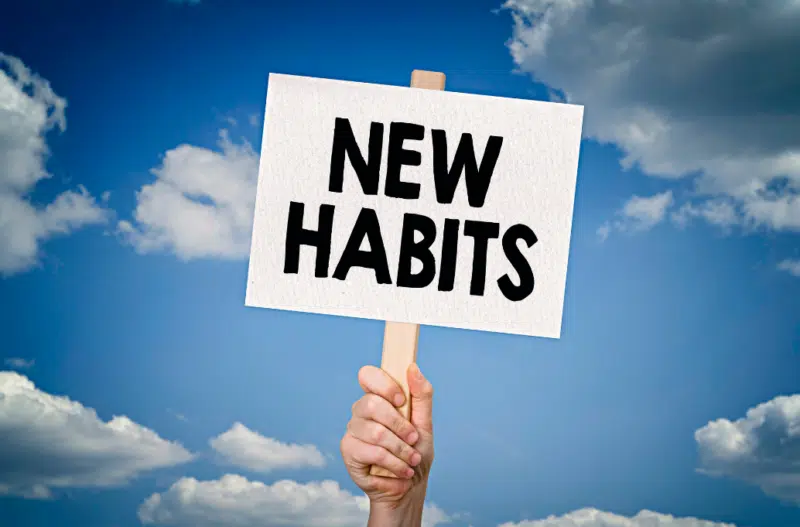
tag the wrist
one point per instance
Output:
(406, 512)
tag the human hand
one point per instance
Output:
(378, 434)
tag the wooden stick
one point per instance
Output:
(400, 339)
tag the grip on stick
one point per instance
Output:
(399, 352)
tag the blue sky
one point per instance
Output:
(673, 389)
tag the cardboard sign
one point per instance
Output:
(417, 206)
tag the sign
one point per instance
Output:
(410, 205)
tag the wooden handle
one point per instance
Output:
(428, 80)
(400, 339)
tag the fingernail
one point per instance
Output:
(412, 437)
(399, 399)
(416, 457)
(410, 473)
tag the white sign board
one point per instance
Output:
(413, 205)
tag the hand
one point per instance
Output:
(378, 434)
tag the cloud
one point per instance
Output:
(707, 91)
(638, 214)
(49, 442)
(234, 500)
(200, 205)
(604, 231)
(29, 109)
(762, 448)
(596, 518)
(19, 363)
(247, 449)
(719, 212)
(790, 266)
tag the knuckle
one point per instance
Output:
(378, 434)
(369, 404)
(374, 404)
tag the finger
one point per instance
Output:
(390, 486)
(421, 392)
(375, 380)
(375, 433)
(347, 445)
(367, 455)
(375, 408)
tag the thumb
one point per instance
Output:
(421, 392)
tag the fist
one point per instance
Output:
(378, 434)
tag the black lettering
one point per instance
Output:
(515, 293)
(482, 232)
(366, 226)
(421, 250)
(399, 156)
(477, 179)
(296, 236)
(344, 144)
(447, 269)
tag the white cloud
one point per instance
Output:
(234, 500)
(596, 518)
(646, 212)
(673, 85)
(247, 449)
(49, 442)
(200, 205)
(719, 212)
(762, 448)
(781, 212)
(29, 109)
(638, 214)
(18, 363)
(790, 266)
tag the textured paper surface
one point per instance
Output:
(533, 183)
